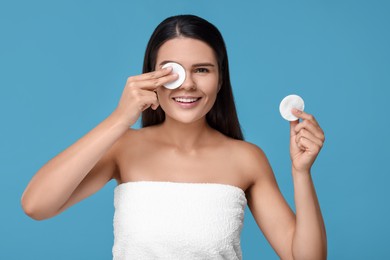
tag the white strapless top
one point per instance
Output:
(175, 220)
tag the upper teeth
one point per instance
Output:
(186, 100)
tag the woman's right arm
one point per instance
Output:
(88, 164)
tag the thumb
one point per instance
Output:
(293, 124)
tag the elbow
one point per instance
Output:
(318, 254)
(310, 251)
(33, 210)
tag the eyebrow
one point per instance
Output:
(203, 64)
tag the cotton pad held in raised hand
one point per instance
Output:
(288, 103)
(178, 69)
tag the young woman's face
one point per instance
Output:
(196, 96)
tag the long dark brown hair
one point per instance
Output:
(223, 115)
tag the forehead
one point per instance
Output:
(185, 51)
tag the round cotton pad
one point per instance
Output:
(178, 69)
(288, 103)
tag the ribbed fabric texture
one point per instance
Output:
(173, 220)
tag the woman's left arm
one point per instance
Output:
(306, 141)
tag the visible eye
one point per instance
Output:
(201, 70)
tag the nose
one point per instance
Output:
(189, 83)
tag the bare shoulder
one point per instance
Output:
(132, 136)
(248, 148)
(252, 160)
(122, 146)
(132, 144)
(248, 152)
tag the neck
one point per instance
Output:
(185, 136)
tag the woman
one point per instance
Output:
(185, 178)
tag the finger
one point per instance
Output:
(152, 75)
(155, 106)
(311, 127)
(303, 115)
(150, 94)
(307, 145)
(308, 135)
(149, 101)
(293, 125)
(150, 82)
(301, 146)
(156, 103)
(145, 98)
(153, 84)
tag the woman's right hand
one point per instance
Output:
(139, 94)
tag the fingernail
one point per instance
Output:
(296, 111)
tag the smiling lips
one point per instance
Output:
(186, 101)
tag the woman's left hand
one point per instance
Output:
(306, 141)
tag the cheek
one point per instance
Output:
(212, 89)
(163, 97)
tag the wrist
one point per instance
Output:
(301, 173)
(117, 120)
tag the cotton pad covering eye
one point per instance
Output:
(288, 103)
(178, 69)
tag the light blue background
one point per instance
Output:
(63, 65)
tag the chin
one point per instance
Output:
(185, 118)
